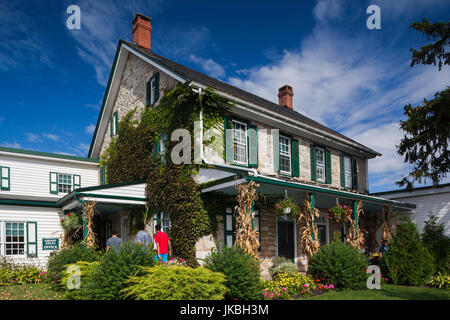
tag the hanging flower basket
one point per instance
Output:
(287, 207)
(71, 221)
(340, 214)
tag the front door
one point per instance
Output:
(286, 241)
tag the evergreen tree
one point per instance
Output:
(427, 129)
(438, 243)
(407, 260)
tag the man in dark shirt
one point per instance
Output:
(114, 242)
(383, 248)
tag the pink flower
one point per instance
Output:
(284, 288)
(271, 296)
(306, 285)
(265, 294)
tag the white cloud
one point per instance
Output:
(31, 137)
(327, 9)
(14, 145)
(65, 153)
(209, 66)
(51, 136)
(90, 129)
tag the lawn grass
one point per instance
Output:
(387, 292)
(35, 291)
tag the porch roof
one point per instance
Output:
(128, 193)
(325, 196)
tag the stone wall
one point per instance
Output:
(132, 90)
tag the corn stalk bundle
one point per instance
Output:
(246, 236)
(308, 227)
(386, 216)
(355, 236)
(67, 239)
(89, 211)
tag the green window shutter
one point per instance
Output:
(53, 181)
(328, 166)
(342, 171)
(354, 174)
(76, 181)
(147, 93)
(228, 227)
(5, 179)
(295, 158)
(313, 163)
(111, 132)
(229, 141)
(102, 175)
(116, 122)
(252, 146)
(156, 88)
(32, 247)
(276, 150)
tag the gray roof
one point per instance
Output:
(193, 75)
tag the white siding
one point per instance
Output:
(430, 201)
(29, 177)
(48, 226)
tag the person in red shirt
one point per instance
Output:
(163, 247)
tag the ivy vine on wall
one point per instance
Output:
(170, 188)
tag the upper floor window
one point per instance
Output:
(64, 183)
(114, 124)
(320, 164)
(4, 178)
(285, 155)
(152, 92)
(347, 172)
(240, 142)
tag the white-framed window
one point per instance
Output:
(240, 142)
(347, 172)
(163, 219)
(12, 238)
(64, 183)
(320, 164)
(285, 155)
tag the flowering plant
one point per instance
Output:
(71, 221)
(180, 262)
(340, 213)
(287, 206)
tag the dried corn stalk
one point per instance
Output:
(89, 211)
(246, 236)
(386, 216)
(355, 236)
(308, 228)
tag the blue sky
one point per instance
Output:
(353, 79)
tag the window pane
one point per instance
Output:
(229, 222)
(320, 159)
(229, 241)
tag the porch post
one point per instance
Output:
(355, 214)
(313, 205)
(85, 224)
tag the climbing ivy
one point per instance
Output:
(170, 188)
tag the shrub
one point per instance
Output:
(58, 261)
(114, 269)
(407, 261)
(281, 264)
(241, 269)
(86, 269)
(12, 274)
(438, 243)
(176, 283)
(442, 281)
(339, 264)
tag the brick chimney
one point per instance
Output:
(285, 94)
(142, 30)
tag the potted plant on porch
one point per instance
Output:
(287, 206)
(340, 213)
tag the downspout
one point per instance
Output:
(85, 218)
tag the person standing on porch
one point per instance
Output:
(142, 237)
(163, 246)
(114, 242)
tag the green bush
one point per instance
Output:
(58, 261)
(114, 269)
(281, 264)
(341, 265)
(20, 274)
(408, 261)
(176, 283)
(241, 269)
(441, 280)
(438, 243)
(86, 269)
